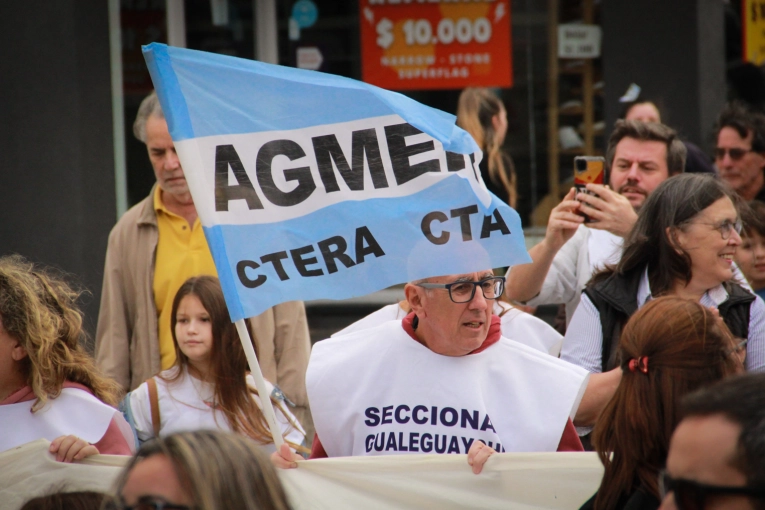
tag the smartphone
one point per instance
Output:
(588, 169)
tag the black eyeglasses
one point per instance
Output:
(144, 503)
(735, 153)
(726, 228)
(463, 292)
(690, 495)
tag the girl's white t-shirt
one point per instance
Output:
(188, 404)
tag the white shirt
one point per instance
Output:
(583, 343)
(187, 404)
(515, 324)
(588, 251)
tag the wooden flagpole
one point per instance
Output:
(260, 383)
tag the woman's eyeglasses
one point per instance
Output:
(690, 495)
(726, 228)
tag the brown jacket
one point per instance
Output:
(127, 344)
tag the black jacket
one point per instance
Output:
(615, 298)
(638, 500)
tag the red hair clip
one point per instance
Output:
(641, 363)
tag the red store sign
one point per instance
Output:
(436, 44)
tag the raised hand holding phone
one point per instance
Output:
(588, 170)
(564, 220)
(607, 209)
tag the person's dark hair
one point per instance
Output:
(228, 363)
(219, 470)
(741, 400)
(753, 218)
(683, 346)
(628, 106)
(738, 117)
(672, 205)
(80, 500)
(649, 131)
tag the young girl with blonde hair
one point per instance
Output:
(209, 386)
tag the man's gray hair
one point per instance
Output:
(149, 106)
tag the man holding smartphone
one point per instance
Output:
(640, 156)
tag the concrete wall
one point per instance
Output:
(675, 50)
(56, 163)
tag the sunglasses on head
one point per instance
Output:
(690, 495)
(735, 153)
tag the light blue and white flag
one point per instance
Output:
(311, 185)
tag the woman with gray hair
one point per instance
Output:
(683, 244)
(201, 470)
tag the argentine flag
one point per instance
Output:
(310, 185)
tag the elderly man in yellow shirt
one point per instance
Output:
(182, 252)
(156, 246)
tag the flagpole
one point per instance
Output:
(260, 383)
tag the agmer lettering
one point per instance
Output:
(331, 162)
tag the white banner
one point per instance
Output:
(509, 480)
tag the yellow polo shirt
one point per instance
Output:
(182, 252)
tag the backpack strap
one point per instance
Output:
(154, 405)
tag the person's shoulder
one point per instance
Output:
(169, 378)
(515, 317)
(641, 500)
(133, 216)
(528, 329)
(367, 334)
(340, 349)
(76, 386)
(532, 357)
(374, 319)
(82, 392)
(523, 349)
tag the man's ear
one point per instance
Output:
(414, 295)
